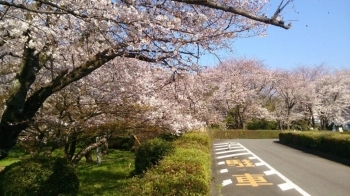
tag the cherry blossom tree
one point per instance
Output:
(309, 75)
(289, 87)
(310, 94)
(332, 99)
(132, 96)
(64, 41)
(239, 87)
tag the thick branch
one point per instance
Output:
(209, 3)
(76, 158)
(35, 101)
(21, 6)
(15, 119)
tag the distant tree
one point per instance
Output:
(289, 87)
(309, 75)
(332, 97)
(240, 87)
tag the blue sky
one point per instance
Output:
(320, 33)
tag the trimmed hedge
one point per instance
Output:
(150, 153)
(244, 134)
(39, 176)
(262, 125)
(186, 172)
(327, 142)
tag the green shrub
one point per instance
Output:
(332, 143)
(168, 136)
(261, 125)
(39, 176)
(150, 153)
(300, 125)
(243, 134)
(194, 140)
(186, 172)
(121, 143)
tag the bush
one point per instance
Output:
(300, 125)
(331, 143)
(39, 176)
(194, 140)
(168, 136)
(185, 172)
(121, 143)
(261, 125)
(243, 134)
(150, 153)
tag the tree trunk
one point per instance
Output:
(105, 148)
(88, 157)
(79, 156)
(70, 147)
(289, 109)
(20, 110)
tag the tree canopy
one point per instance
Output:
(45, 46)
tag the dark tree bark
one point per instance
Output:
(76, 158)
(227, 8)
(71, 146)
(88, 157)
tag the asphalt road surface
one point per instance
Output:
(259, 167)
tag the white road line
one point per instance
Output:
(226, 182)
(229, 151)
(259, 164)
(232, 155)
(285, 186)
(232, 143)
(270, 172)
(223, 170)
(290, 183)
(225, 144)
(251, 158)
(226, 148)
(221, 163)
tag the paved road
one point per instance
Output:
(265, 167)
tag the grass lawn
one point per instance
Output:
(14, 156)
(110, 178)
(6, 162)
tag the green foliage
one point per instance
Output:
(215, 126)
(39, 176)
(261, 125)
(327, 142)
(121, 143)
(168, 137)
(186, 172)
(194, 140)
(300, 125)
(231, 123)
(150, 153)
(243, 134)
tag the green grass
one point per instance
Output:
(14, 156)
(110, 178)
(113, 177)
(6, 162)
